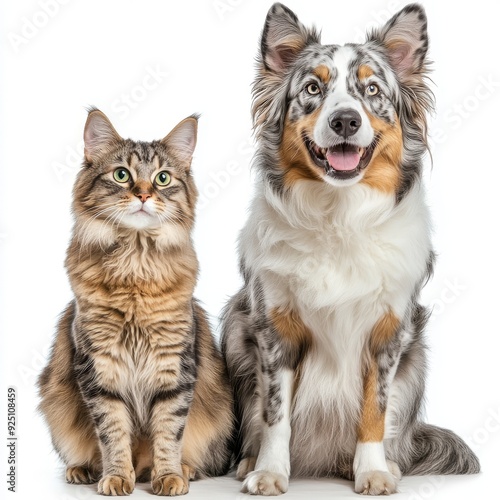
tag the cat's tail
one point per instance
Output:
(440, 451)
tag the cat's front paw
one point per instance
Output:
(170, 485)
(375, 483)
(262, 482)
(115, 486)
(245, 466)
(81, 475)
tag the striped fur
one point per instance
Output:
(324, 343)
(135, 387)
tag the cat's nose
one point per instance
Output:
(143, 197)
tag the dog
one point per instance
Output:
(324, 343)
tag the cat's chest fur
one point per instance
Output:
(139, 283)
(137, 300)
(145, 365)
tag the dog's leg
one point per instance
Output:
(272, 468)
(371, 470)
(281, 346)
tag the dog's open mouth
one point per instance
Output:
(343, 161)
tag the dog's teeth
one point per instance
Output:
(323, 151)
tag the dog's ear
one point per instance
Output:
(283, 38)
(405, 39)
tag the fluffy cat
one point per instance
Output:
(135, 387)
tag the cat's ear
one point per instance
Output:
(99, 135)
(406, 41)
(181, 141)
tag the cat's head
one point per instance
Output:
(127, 186)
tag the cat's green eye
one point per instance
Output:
(121, 175)
(162, 179)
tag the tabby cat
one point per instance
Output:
(135, 387)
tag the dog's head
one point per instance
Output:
(343, 114)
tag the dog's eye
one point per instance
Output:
(313, 89)
(372, 89)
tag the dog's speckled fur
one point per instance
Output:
(324, 342)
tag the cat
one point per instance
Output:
(135, 386)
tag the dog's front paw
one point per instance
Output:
(262, 482)
(375, 483)
(115, 486)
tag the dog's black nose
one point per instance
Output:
(345, 122)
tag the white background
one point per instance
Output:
(202, 53)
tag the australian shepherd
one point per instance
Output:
(324, 343)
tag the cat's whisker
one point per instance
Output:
(114, 218)
(99, 207)
(181, 218)
(87, 237)
(173, 218)
(160, 220)
(89, 221)
(83, 235)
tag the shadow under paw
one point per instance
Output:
(144, 476)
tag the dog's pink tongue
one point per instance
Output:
(342, 160)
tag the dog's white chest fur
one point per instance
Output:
(333, 250)
(338, 258)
